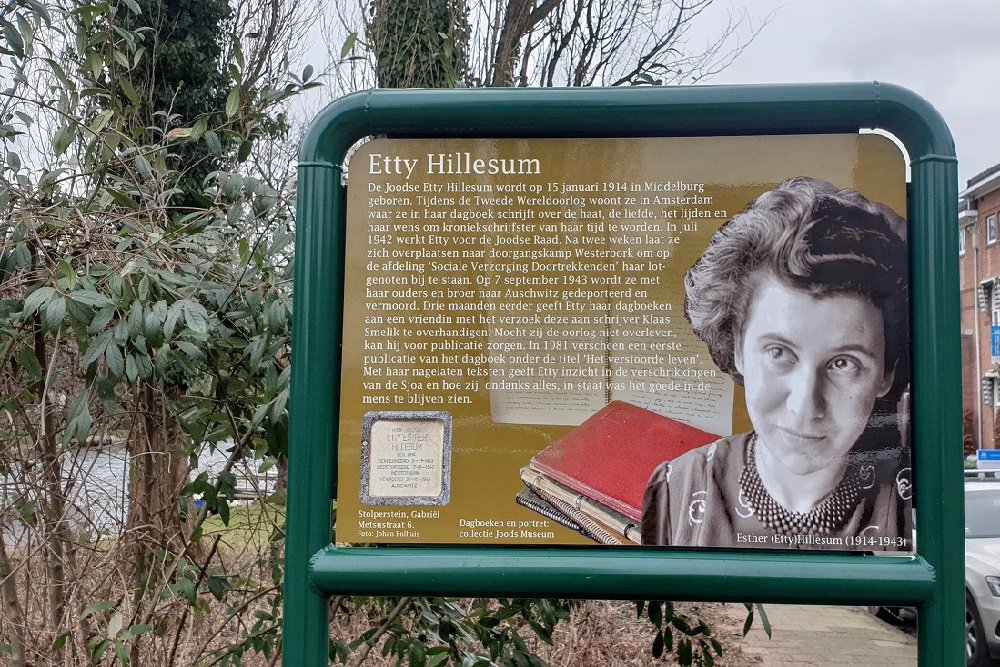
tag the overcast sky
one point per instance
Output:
(947, 51)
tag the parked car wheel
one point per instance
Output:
(976, 652)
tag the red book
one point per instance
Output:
(610, 457)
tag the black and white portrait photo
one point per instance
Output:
(802, 298)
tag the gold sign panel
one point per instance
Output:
(529, 356)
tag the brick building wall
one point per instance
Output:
(979, 281)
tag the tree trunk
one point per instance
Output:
(52, 500)
(158, 471)
(277, 550)
(407, 39)
(13, 611)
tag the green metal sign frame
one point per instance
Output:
(931, 580)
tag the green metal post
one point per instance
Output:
(314, 404)
(937, 408)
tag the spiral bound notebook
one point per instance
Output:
(609, 458)
(530, 499)
(586, 516)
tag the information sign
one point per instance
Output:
(515, 331)
(988, 459)
(651, 368)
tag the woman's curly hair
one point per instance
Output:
(813, 237)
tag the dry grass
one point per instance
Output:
(609, 634)
(601, 634)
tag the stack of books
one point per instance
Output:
(593, 478)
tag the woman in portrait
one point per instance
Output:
(802, 299)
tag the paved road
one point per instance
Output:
(805, 635)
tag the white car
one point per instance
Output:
(982, 571)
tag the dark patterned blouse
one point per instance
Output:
(699, 500)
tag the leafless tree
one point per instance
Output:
(559, 42)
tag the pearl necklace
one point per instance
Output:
(829, 516)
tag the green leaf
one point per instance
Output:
(67, 274)
(63, 137)
(120, 332)
(26, 30)
(101, 320)
(308, 71)
(706, 655)
(657, 649)
(245, 147)
(196, 317)
(213, 143)
(55, 311)
(227, 483)
(417, 655)
(684, 654)
(142, 164)
(278, 406)
(656, 613)
(200, 126)
(223, 509)
(135, 320)
(129, 91)
(121, 58)
(96, 648)
(153, 322)
(78, 421)
(437, 659)
(681, 624)
(26, 510)
(217, 586)
(29, 363)
(60, 74)
(95, 63)
(60, 641)
(36, 299)
(115, 361)
(255, 351)
(763, 619)
(101, 120)
(97, 608)
(170, 322)
(190, 349)
(13, 38)
(122, 199)
(139, 629)
(276, 317)
(96, 348)
(90, 298)
(233, 102)
(348, 46)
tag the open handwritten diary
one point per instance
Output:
(593, 478)
(663, 369)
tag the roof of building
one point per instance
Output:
(982, 175)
